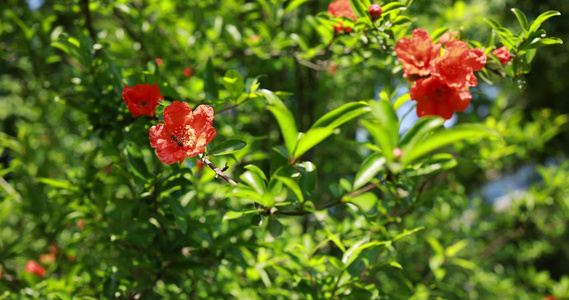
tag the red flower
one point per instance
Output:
(341, 9)
(457, 64)
(339, 28)
(446, 37)
(183, 134)
(550, 297)
(35, 268)
(159, 61)
(417, 54)
(502, 54)
(375, 11)
(435, 97)
(142, 99)
(188, 72)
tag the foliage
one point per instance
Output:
(316, 184)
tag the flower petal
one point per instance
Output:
(177, 114)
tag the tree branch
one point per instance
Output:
(218, 171)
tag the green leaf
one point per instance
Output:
(284, 118)
(436, 163)
(234, 83)
(353, 252)
(311, 139)
(446, 137)
(435, 35)
(275, 227)
(291, 184)
(366, 201)
(257, 170)
(255, 181)
(401, 100)
(400, 20)
(542, 18)
(136, 162)
(308, 179)
(406, 233)
(419, 132)
(59, 184)
(360, 10)
(541, 42)
(392, 6)
(386, 117)
(521, 19)
(334, 238)
(210, 86)
(455, 248)
(179, 214)
(231, 215)
(227, 147)
(294, 4)
(371, 166)
(342, 114)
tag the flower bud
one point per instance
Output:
(397, 152)
(374, 11)
(35, 268)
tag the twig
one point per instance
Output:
(88, 19)
(233, 106)
(218, 171)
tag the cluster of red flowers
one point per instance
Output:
(183, 133)
(342, 9)
(441, 82)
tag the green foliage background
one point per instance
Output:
(71, 151)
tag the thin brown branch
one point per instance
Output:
(218, 171)
(233, 106)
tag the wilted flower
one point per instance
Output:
(184, 133)
(35, 268)
(142, 99)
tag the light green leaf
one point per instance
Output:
(291, 184)
(521, 19)
(371, 166)
(542, 18)
(342, 114)
(255, 181)
(311, 139)
(59, 184)
(419, 131)
(360, 10)
(284, 118)
(386, 117)
(455, 248)
(227, 147)
(334, 238)
(401, 100)
(294, 4)
(234, 83)
(231, 215)
(392, 6)
(406, 233)
(446, 137)
(257, 170)
(366, 201)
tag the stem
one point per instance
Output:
(218, 171)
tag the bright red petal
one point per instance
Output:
(177, 114)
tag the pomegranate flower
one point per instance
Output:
(183, 134)
(435, 98)
(457, 64)
(341, 9)
(142, 99)
(188, 72)
(503, 54)
(35, 268)
(417, 53)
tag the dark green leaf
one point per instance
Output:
(179, 214)
(275, 227)
(234, 83)
(227, 147)
(210, 86)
